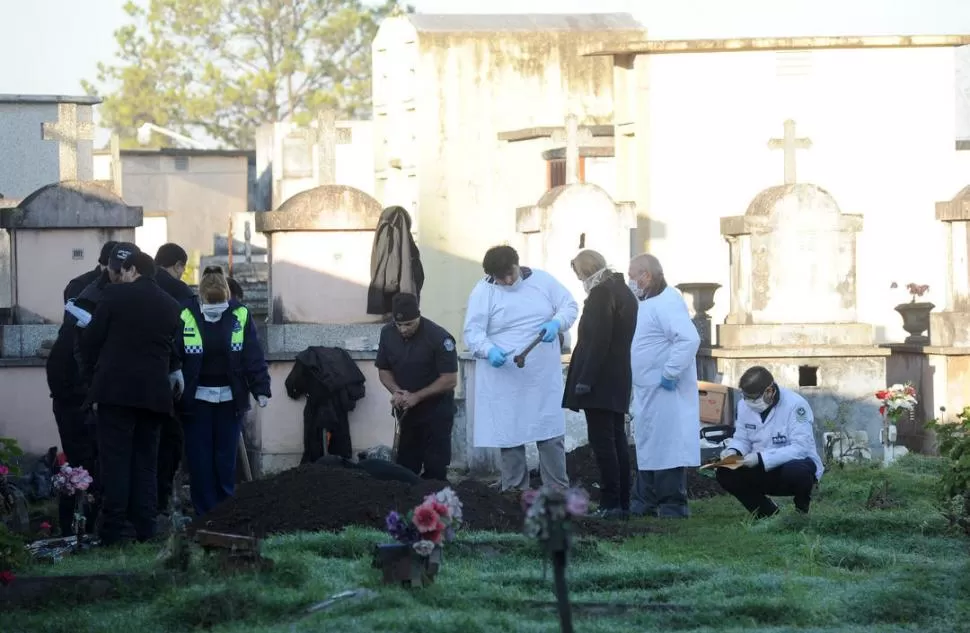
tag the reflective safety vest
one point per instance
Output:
(192, 335)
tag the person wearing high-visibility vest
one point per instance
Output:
(224, 368)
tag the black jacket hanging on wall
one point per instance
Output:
(332, 384)
(395, 263)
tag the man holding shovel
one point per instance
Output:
(417, 363)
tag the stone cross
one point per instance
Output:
(572, 150)
(68, 132)
(116, 170)
(326, 138)
(790, 144)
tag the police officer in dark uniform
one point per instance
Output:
(68, 392)
(170, 262)
(131, 344)
(418, 364)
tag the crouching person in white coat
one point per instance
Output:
(666, 409)
(775, 432)
(507, 310)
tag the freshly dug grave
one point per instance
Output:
(316, 497)
(582, 470)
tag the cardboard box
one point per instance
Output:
(715, 401)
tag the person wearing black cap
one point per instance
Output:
(68, 392)
(130, 349)
(775, 433)
(82, 308)
(417, 363)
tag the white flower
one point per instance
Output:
(424, 548)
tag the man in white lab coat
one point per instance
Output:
(507, 310)
(774, 431)
(666, 409)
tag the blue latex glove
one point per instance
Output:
(667, 383)
(550, 330)
(497, 357)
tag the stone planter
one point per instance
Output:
(916, 320)
(401, 565)
(700, 297)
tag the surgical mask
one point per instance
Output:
(212, 312)
(594, 280)
(515, 285)
(635, 289)
(759, 405)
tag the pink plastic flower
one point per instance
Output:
(426, 519)
(6, 577)
(577, 503)
(4, 471)
(528, 498)
(45, 526)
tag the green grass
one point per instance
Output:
(843, 568)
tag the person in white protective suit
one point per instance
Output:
(507, 310)
(666, 408)
(774, 431)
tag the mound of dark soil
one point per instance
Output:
(327, 498)
(582, 469)
(315, 498)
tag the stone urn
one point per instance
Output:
(916, 320)
(700, 297)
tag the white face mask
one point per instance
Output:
(212, 312)
(758, 406)
(635, 289)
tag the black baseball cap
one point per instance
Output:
(120, 254)
(106, 252)
(404, 306)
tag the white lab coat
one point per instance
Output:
(788, 433)
(515, 406)
(666, 424)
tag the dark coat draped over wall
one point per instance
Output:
(395, 263)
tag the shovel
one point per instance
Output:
(398, 416)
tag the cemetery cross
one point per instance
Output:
(790, 144)
(68, 132)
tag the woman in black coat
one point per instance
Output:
(599, 378)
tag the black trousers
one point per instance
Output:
(171, 443)
(751, 486)
(607, 438)
(425, 443)
(128, 451)
(77, 432)
(661, 493)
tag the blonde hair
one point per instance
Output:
(587, 263)
(213, 287)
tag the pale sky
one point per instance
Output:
(49, 46)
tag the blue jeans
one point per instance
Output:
(211, 440)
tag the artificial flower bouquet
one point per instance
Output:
(428, 525)
(896, 401)
(420, 534)
(549, 513)
(74, 481)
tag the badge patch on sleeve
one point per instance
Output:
(449, 345)
(801, 414)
